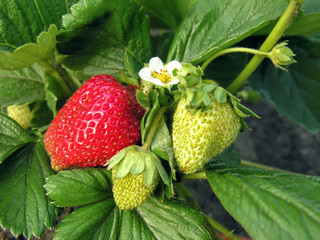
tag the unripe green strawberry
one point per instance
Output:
(21, 114)
(199, 138)
(131, 191)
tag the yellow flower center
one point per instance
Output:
(163, 76)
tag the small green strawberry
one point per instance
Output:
(131, 191)
(200, 137)
(135, 173)
(207, 120)
(21, 114)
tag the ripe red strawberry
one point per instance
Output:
(98, 120)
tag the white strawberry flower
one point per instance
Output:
(160, 74)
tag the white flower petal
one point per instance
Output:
(173, 65)
(145, 74)
(173, 81)
(155, 64)
(156, 81)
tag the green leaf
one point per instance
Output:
(24, 207)
(213, 25)
(96, 221)
(23, 20)
(143, 99)
(89, 185)
(170, 12)
(105, 37)
(308, 21)
(21, 86)
(284, 205)
(304, 25)
(12, 136)
(162, 145)
(42, 115)
(227, 157)
(161, 44)
(55, 95)
(99, 218)
(169, 220)
(295, 93)
(162, 140)
(28, 54)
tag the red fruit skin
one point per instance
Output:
(98, 120)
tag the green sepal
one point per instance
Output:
(116, 158)
(125, 165)
(208, 87)
(240, 109)
(220, 94)
(150, 172)
(163, 174)
(136, 160)
(243, 125)
(138, 167)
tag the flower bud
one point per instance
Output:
(281, 55)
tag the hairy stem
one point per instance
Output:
(233, 50)
(268, 44)
(222, 229)
(153, 128)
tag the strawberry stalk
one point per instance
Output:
(233, 50)
(268, 44)
(153, 128)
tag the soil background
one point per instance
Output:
(274, 140)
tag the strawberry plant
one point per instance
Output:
(107, 107)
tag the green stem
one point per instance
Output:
(153, 128)
(198, 175)
(232, 50)
(54, 73)
(268, 44)
(222, 229)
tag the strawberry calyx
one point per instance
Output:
(135, 160)
(199, 93)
